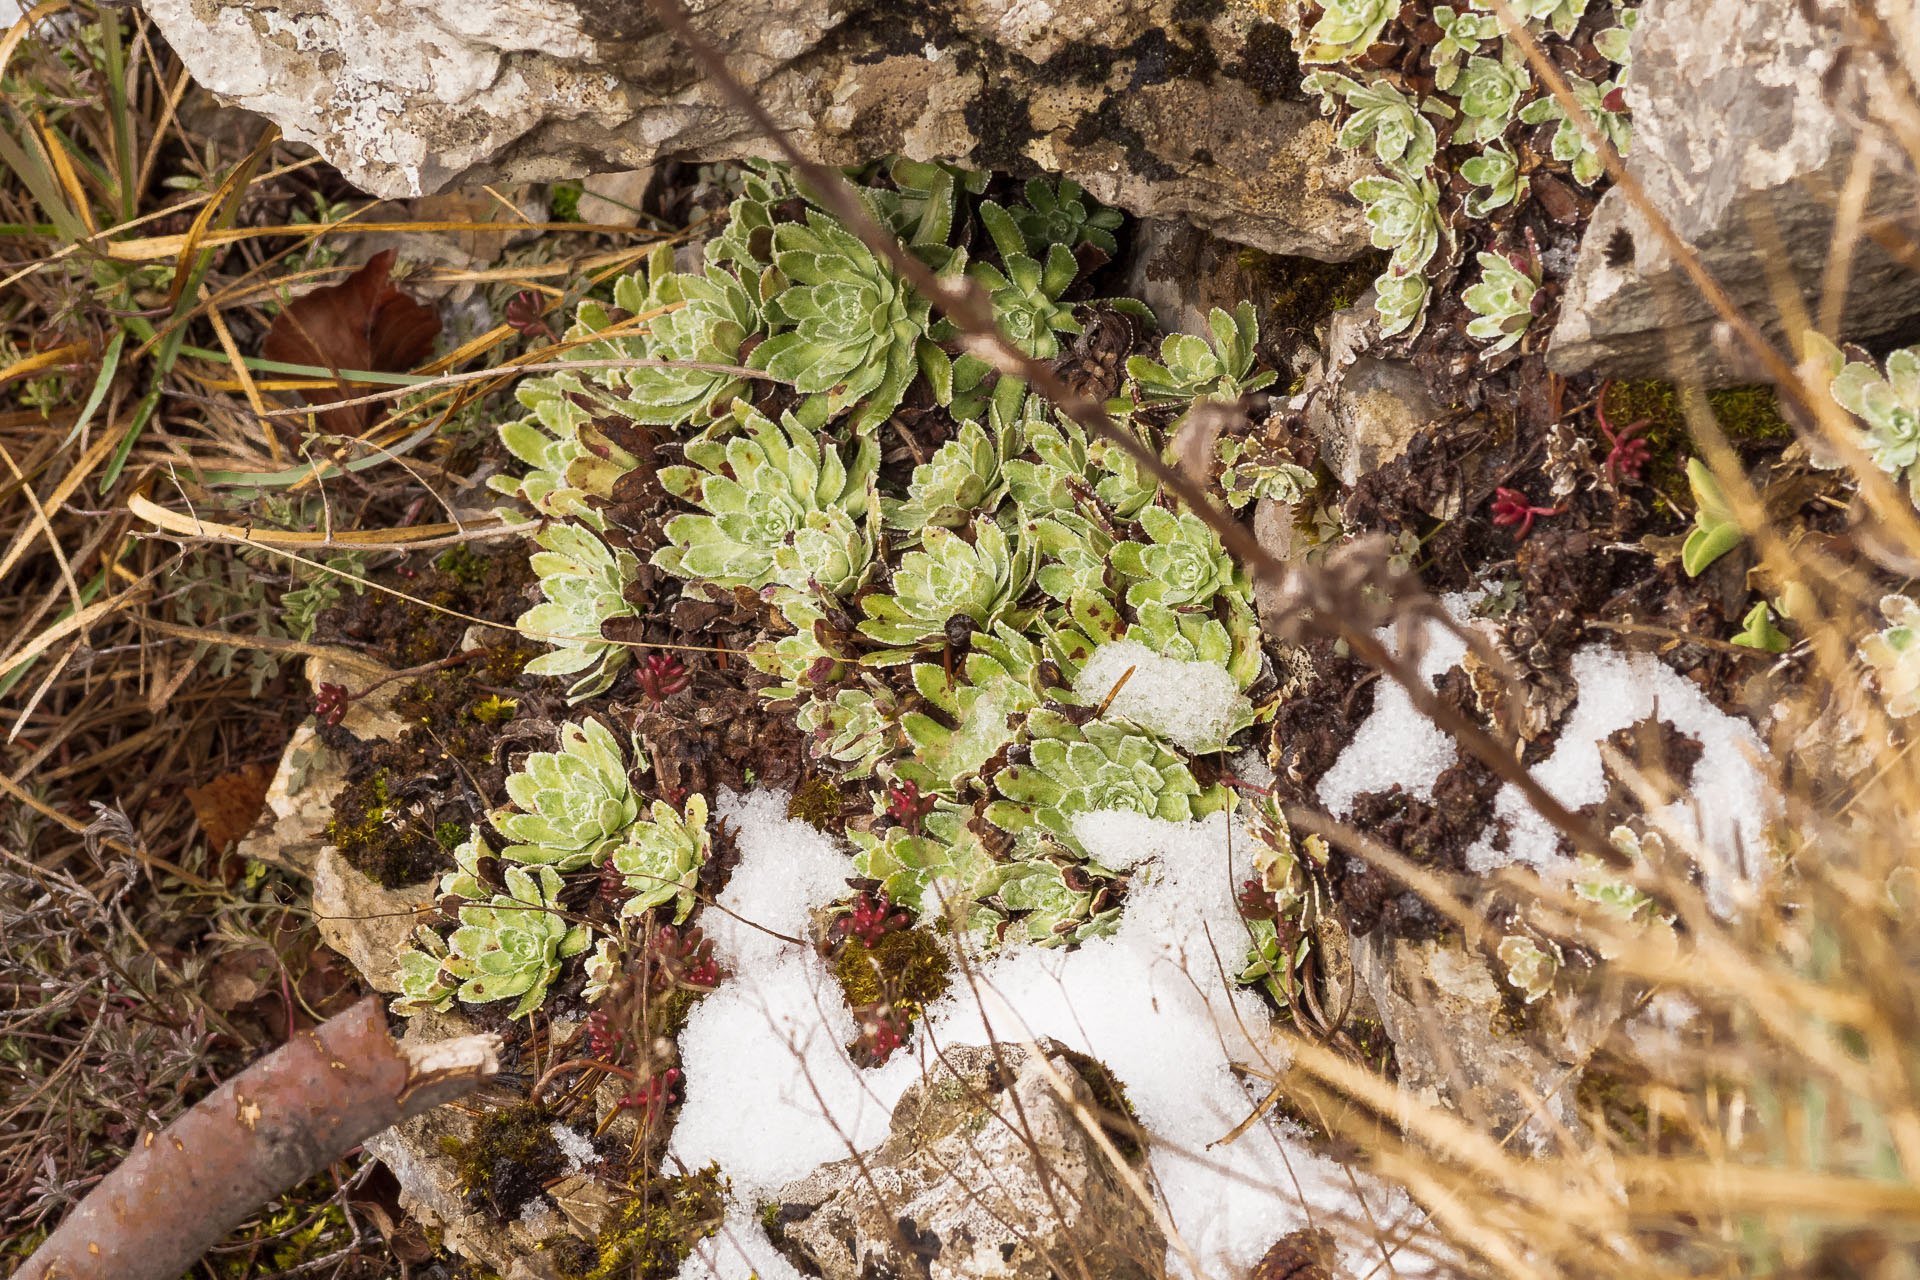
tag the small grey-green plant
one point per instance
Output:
(1462, 32)
(964, 475)
(852, 331)
(1065, 215)
(660, 857)
(981, 706)
(1346, 29)
(1103, 765)
(858, 726)
(1403, 209)
(1384, 120)
(1490, 90)
(1253, 471)
(1893, 653)
(979, 576)
(573, 804)
(760, 490)
(1193, 368)
(936, 865)
(1399, 300)
(584, 582)
(1496, 179)
(925, 200)
(1888, 403)
(512, 944)
(1570, 141)
(1530, 967)
(1056, 904)
(1502, 302)
(1183, 566)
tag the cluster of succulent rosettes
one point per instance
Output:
(574, 809)
(1446, 94)
(585, 583)
(1279, 903)
(1192, 368)
(1886, 401)
(1893, 655)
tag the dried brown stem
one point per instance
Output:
(278, 1123)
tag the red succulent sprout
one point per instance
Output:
(872, 919)
(613, 885)
(330, 703)
(603, 1038)
(524, 318)
(906, 806)
(682, 959)
(880, 1034)
(1510, 506)
(1629, 454)
(662, 675)
(1256, 903)
(656, 1095)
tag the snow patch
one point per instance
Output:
(1397, 743)
(1191, 703)
(577, 1147)
(1728, 802)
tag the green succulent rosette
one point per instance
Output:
(659, 859)
(572, 804)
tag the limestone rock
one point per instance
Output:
(954, 1193)
(1364, 415)
(613, 199)
(365, 923)
(1740, 118)
(1167, 116)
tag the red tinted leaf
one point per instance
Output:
(361, 323)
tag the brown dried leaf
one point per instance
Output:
(361, 323)
(228, 806)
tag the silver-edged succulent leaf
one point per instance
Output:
(974, 710)
(851, 329)
(424, 981)
(1065, 215)
(979, 576)
(1502, 302)
(1253, 470)
(1105, 764)
(1183, 566)
(1381, 119)
(1615, 43)
(1345, 30)
(965, 475)
(831, 554)
(806, 660)
(758, 491)
(1193, 368)
(1463, 31)
(938, 867)
(1489, 92)
(1055, 904)
(1399, 300)
(1200, 637)
(660, 857)
(571, 805)
(512, 944)
(926, 198)
(1403, 209)
(747, 239)
(570, 460)
(1570, 142)
(1496, 179)
(604, 968)
(1026, 296)
(1073, 551)
(1563, 16)
(584, 582)
(711, 316)
(1887, 401)
(858, 727)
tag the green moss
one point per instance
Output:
(655, 1230)
(816, 803)
(907, 968)
(1748, 415)
(462, 564)
(1301, 294)
(377, 840)
(565, 201)
(449, 835)
(509, 1157)
(1118, 1120)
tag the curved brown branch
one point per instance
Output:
(276, 1124)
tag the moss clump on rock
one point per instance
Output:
(654, 1231)
(817, 803)
(907, 968)
(508, 1158)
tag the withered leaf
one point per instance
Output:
(228, 806)
(363, 322)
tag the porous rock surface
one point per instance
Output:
(1166, 108)
(1744, 133)
(957, 1193)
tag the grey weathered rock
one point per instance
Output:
(1364, 415)
(1733, 121)
(955, 1194)
(365, 923)
(1185, 118)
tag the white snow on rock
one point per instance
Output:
(771, 1092)
(1396, 743)
(1726, 806)
(1191, 703)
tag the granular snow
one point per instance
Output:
(1191, 703)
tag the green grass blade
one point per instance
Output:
(109, 365)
